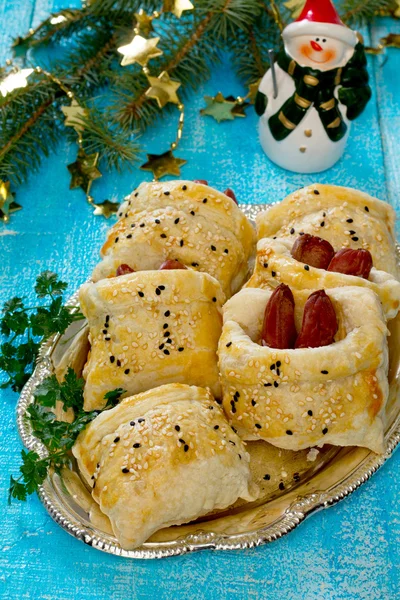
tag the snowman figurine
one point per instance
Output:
(319, 85)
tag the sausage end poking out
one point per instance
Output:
(313, 251)
(171, 265)
(352, 262)
(319, 325)
(124, 270)
(279, 330)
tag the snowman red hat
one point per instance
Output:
(320, 17)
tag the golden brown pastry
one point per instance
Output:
(151, 328)
(164, 457)
(202, 228)
(347, 218)
(304, 397)
(274, 265)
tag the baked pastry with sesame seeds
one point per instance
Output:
(345, 217)
(182, 220)
(274, 265)
(162, 458)
(304, 397)
(150, 328)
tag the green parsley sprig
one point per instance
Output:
(57, 436)
(25, 328)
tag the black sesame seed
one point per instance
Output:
(213, 248)
(325, 431)
(107, 339)
(301, 233)
(116, 439)
(120, 214)
(278, 363)
(240, 456)
(322, 223)
(233, 409)
(141, 420)
(316, 192)
(289, 432)
(125, 470)
(142, 224)
(158, 291)
(306, 267)
(324, 214)
(214, 299)
(292, 231)
(282, 485)
(258, 425)
(112, 358)
(236, 394)
(296, 476)
(351, 231)
(278, 372)
(181, 349)
(132, 423)
(161, 347)
(210, 408)
(216, 426)
(157, 221)
(165, 326)
(272, 367)
(205, 201)
(233, 429)
(137, 194)
(163, 235)
(169, 341)
(127, 371)
(267, 384)
(141, 294)
(126, 215)
(233, 443)
(132, 225)
(310, 413)
(265, 265)
(176, 221)
(192, 212)
(195, 264)
(226, 251)
(181, 243)
(167, 313)
(273, 273)
(136, 445)
(276, 384)
(118, 363)
(116, 239)
(253, 402)
(107, 318)
(182, 441)
(355, 238)
(228, 344)
(184, 187)
(267, 477)
(349, 220)
(177, 428)
(166, 193)
(167, 334)
(324, 372)
(161, 287)
(105, 331)
(366, 208)
(185, 447)
(166, 352)
(129, 236)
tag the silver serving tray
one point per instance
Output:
(308, 486)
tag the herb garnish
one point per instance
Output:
(27, 327)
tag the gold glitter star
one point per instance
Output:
(177, 6)
(163, 89)
(163, 164)
(106, 208)
(7, 203)
(219, 108)
(144, 22)
(253, 89)
(239, 109)
(14, 80)
(140, 50)
(84, 171)
(72, 115)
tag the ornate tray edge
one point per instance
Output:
(303, 507)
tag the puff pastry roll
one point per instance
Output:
(345, 217)
(304, 397)
(202, 228)
(164, 457)
(275, 264)
(151, 328)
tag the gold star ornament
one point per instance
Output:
(7, 203)
(106, 209)
(84, 171)
(144, 22)
(140, 51)
(219, 108)
(163, 164)
(163, 89)
(73, 114)
(177, 6)
(14, 80)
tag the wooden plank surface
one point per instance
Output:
(350, 551)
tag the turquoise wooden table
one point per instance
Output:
(349, 551)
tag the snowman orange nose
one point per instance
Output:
(316, 46)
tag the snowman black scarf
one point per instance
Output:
(316, 88)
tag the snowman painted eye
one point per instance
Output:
(324, 40)
(317, 39)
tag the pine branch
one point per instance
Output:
(358, 12)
